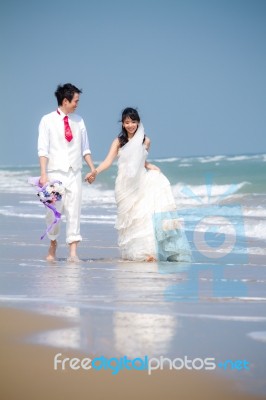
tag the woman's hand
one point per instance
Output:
(90, 177)
(152, 167)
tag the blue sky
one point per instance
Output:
(195, 69)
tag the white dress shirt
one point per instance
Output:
(52, 143)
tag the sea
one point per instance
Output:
(221, 200)
(212, 307)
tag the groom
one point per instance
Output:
(62, 143)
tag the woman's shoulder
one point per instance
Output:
(115, 146)
(116, 142)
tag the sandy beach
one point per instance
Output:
(27, 371)
(103, 307)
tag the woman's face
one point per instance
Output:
(130, 126)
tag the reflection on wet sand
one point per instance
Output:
(137, 309)
(139, 334)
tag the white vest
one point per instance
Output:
(63, 154)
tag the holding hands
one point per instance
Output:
(90, 177)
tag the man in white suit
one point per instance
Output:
(62, 143)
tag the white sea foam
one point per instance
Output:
(97, 221)
(101, 199)
(108, 219)
(244, 157)
(256, 230)
(210, 159)
(168, 160)
(102, 217)
(8, 213)
(259, 336)
(79, 302)
(238, 318)
(30, 202)
(96, 195)
(205, 194)
(240, 157)
(257, 250)
(258, 212)
(227, 224)
(198, 194)
(15, 181)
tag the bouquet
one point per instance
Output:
(49, 194)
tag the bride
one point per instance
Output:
(147, 222)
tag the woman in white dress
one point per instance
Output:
(147, 222)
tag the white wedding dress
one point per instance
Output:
(147, 221)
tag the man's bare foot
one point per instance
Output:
(73, 259)
(150, 259)
(52, 251)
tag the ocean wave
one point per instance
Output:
(210, 159)
(257, 230)
(258, 212)
(244, 157)
(184, 194)
(166, 160)
(8, 213)
(239, 157)
(259, 336)
(95, 194)
(228, 221)
(97, 221)
(252, 230)
(206, 193)
(15, 181)
(29, 202)
(100, 217)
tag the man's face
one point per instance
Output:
(71, 106)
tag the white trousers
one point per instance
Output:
(70, 205)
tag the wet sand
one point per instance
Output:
(27, 371)
(109, 308)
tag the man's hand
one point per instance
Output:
(43, 179)
(90, 177)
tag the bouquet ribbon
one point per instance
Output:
(35, 181)
(57, 216)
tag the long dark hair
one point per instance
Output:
(133, 114)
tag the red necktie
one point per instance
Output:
(68, 133)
